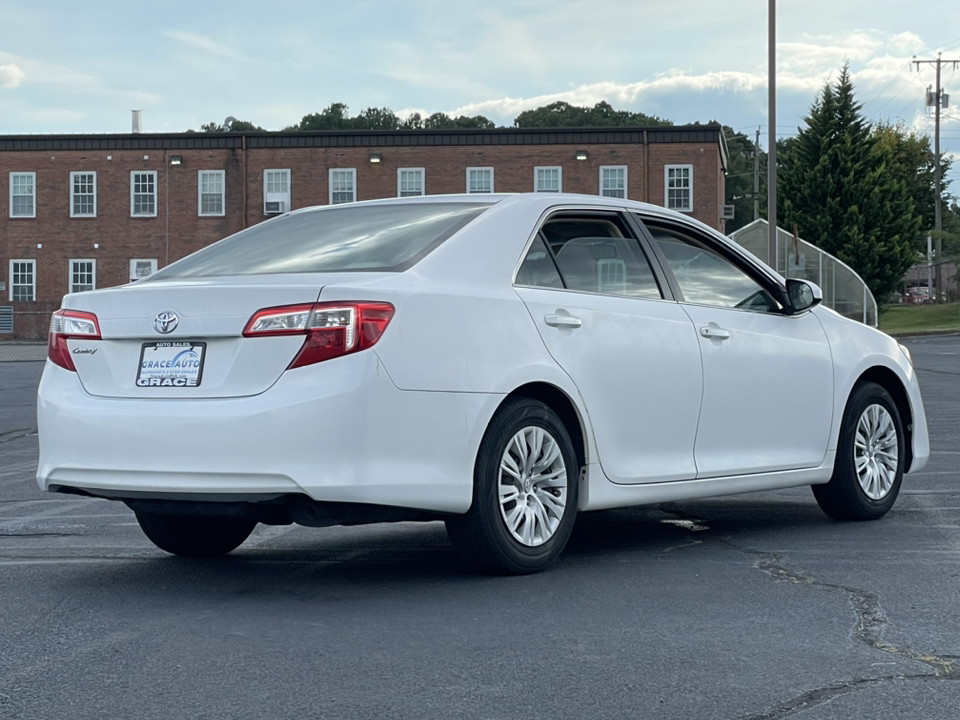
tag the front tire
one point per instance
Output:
(193, 536)
(526, 482)
(868, 470)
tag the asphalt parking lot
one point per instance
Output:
(754, 606)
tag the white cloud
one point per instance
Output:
(11, 76)
(204, 43)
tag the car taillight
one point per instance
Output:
(332, 329)
(66, 324)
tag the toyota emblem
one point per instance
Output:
(166, 322)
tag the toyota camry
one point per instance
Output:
(498, 363)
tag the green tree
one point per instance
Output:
(739, 181)
(840, 187)
(332, 117)
(562, 114)
(236, 126)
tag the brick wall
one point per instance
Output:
(113, 237)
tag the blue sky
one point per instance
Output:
(68, 67)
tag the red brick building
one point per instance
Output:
(88, 211)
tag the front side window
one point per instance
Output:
(143, 194)
(548, 179)
(678, 187)
(410, 182)
(210, 187)
(23, 194)
(23, 280)
(83, 194)
(706, 277)
(348, 238)
(480, 180)
(613, 181)
(589, 254)
(83, 275)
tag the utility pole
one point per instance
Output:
(938, 99)
(772, 143)
(756, 177)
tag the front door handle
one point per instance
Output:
(715, 333)
(562, 321)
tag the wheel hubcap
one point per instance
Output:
(532, 486)
(876, 452)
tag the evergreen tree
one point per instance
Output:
(840, 186)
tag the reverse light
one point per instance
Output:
(332, 329)
(66, 324)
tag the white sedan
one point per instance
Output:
(500, 363)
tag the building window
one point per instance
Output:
(143, 194)
(23, 280)
(83, 275)
(613, 181)
(678, 191)
(23, 194)
(83, 194)
(142, 267)
(343, 186)
(480, 180)
(410, 182)
(210, 189)
(276, 191)
(548, 179)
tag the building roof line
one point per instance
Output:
(367, 138)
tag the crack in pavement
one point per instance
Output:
(871, 620)
(14, 434)
(819, 696)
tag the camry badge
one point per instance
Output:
(166, 322)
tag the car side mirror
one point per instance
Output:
(803, 295)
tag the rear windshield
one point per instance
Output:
(357, 238)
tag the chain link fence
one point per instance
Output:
(843, 290)
(15, 351)
(23, 333)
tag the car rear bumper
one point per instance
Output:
(338, 431)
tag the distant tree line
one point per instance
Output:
(336, 116)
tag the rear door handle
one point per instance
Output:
(715, 333)
(562, 321)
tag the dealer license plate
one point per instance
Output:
(171, 364)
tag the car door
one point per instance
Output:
(632, 353)
(767, 375)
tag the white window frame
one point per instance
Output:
(133, 175)
(352, 174)
(423, 181)
(614, 167)
(666, 187)
(278, 195)
(33, 277)
(71, 268)
(223, 193)
(536, 177)
(74, 194)
(32, 195)
(133, 267)
(492, 178)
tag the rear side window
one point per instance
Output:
(372, 238)
(589, 254)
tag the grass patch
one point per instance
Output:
(909, 319)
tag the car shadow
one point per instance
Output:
(340, 563)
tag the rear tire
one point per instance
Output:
(193, 536)
(868, 469)
(525, 490)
